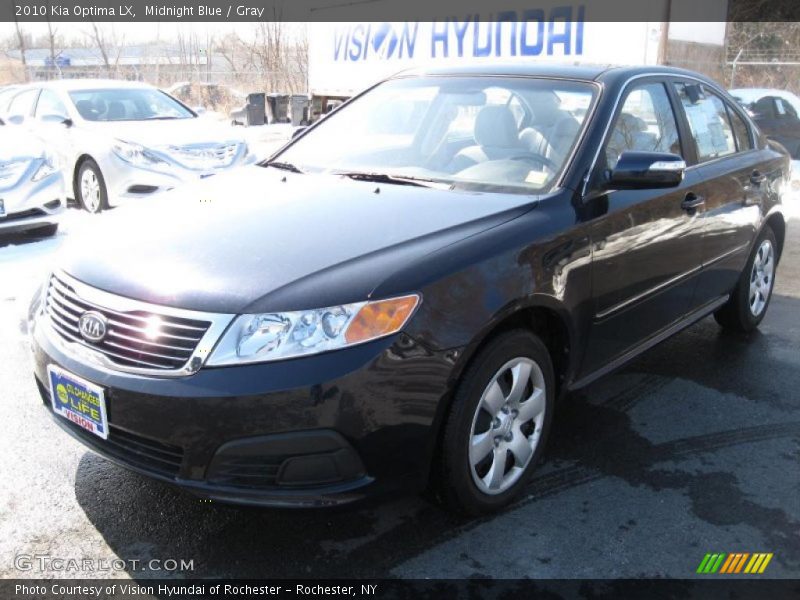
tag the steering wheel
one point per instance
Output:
(537, 158)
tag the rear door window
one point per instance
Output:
(785, 109)
(49, 104)
(708, 121)
(22, 104)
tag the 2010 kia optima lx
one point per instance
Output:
(398, 298)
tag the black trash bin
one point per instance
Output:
(256, 109)
(278, 108)
(299, 109)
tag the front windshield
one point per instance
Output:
(127, 104)
(484, 132)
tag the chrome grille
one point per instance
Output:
(206, 156)
(134, 339)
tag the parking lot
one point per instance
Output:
(692, 448)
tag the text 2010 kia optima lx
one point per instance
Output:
(398, 298)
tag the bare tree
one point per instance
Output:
(109, 45)
(22, 47)
(280, 55)
(763, 54)
(52, 32)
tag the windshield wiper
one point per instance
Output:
(392, 179)
(165, 118)
(285, 166)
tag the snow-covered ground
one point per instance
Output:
(24, 263)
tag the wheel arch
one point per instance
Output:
(544, 316)
(777, 223)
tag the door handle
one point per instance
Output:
(757, 177)
(692, 201)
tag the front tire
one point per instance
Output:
(92, 192)
(749, 301)
(497, 426)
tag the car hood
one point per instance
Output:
(259, 240)
(170, 132)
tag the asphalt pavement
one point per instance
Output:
(693, 448)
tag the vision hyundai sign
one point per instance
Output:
(345, 57)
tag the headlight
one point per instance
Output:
(276, 336)
(48, 167)
(136, 154)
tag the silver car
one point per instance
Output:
(125, 140)
(32, 191)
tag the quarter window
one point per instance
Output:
(645, 124)
(708, 121)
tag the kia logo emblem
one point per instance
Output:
(93, 326)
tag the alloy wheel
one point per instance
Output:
(761, 278)
(90, 190)
(507, 425)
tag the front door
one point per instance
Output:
(646, 245)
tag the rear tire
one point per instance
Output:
(750, 299)
(91, 187)
(497, 426)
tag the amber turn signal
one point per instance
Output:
(380, 318)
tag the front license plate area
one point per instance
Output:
(78, 401)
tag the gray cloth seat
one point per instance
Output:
(496, 138)
(553, 131)
(116, 110)
(553, 143)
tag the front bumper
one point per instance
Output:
(125, 181)
(32, 204)
(319, 431)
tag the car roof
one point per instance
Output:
(91, 84)
(585, 72)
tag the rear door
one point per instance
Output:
(646, 245)
(733, 185)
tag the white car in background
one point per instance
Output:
(124, 140)
(748, 96)
(32, 191)
(785, 128)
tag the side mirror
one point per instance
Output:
(199, 110)
(647, 170)
(57, 120)
(15, 120)
(298, 131)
